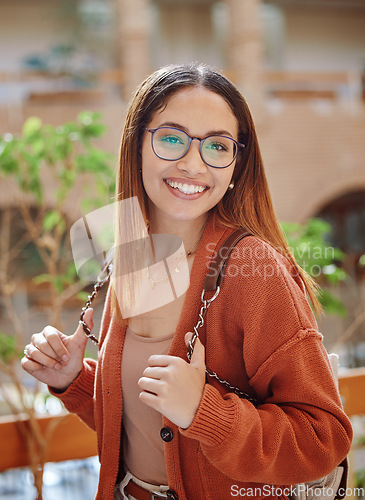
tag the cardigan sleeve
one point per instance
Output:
(300, 432)
(79, 397)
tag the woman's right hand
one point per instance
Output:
(54, 358)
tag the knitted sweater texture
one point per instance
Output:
(260, 335)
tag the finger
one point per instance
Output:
(161, 360)
(34, 354)
(79, 336)
(50, 342)
(150, 400)
(155, 372)
(30, 366)
(198, 356)
(52, 345)
(188, 337)
(150, 385)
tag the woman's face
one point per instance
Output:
(200, 113)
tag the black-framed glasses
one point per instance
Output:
(171, 144)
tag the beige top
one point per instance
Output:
(143, 448)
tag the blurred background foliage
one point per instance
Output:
(316, 255)
(60, 174)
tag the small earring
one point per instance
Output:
(231, 186)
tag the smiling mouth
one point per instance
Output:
(186, 188)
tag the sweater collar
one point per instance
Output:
(213, 236)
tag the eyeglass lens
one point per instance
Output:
(172, 144)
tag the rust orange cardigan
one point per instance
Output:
(259, 334)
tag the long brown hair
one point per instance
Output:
(249, 204)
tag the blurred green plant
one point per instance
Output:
(60, 174)
(360, 481)
(59, 171)
(67, 150)
(318, 258)
(7, 348)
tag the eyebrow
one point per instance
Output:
(184, 129)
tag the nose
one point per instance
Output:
(192, 163)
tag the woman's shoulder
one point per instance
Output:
(256, 260)
(262, 281)
(249, 245)
(256, 249)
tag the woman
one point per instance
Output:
(190, 155)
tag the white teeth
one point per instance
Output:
(185, 188)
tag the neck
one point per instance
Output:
(189, 231)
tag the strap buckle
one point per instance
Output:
(157, 494)
(207, 302)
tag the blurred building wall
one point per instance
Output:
(299, 63)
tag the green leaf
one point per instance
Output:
(88, 117)
(7, 347)
(315, 255)
(89, 354)
(51, 219)
(59, 283)
(9, 165)
(94, 130)
(42, 278)
(69, 176)
(360, 474)
(61, 225)
(32, 126)
(83, 296)
(8, 162)
(90, 125)
(94, 161)
(334, 275)
(39, 148)
(63, 149)
(331, 304)
(71, 271)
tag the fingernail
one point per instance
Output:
(64, 359)
(58, 366)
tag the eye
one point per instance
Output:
(171, 139)
(217, 146)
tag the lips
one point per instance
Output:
(186, 187)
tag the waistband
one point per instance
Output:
(140, 490)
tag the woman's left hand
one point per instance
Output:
(173, 386)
